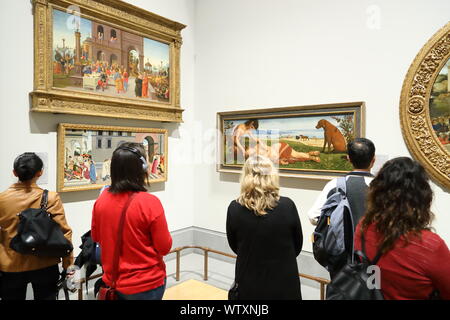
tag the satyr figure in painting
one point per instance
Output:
(241, 130)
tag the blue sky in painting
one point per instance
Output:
(155, 52)
(64, 28)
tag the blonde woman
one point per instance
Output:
(264, 230)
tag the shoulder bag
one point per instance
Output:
(352, 281)
(38, 234)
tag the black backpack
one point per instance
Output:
(352, 282)
(39, 235)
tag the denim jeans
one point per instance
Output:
(154, 294)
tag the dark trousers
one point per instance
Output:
(44, 283)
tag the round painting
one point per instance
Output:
(440, 106)
(425, 107)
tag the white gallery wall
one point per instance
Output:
(267, 53)
(236, 55)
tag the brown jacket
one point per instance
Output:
(14, 200)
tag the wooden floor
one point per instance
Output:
(194, 290)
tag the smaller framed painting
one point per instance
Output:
(305, 141)
(85, 151)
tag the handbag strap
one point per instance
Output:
(363, 254)
(44, 200)
(62, 284)
(117, 251)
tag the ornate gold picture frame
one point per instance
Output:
(425, 107)
(105, 58)
(84, 154)
(305, 141)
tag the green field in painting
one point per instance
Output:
(328, 161)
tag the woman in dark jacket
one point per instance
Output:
(264, 230)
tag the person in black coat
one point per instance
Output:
(138, 87)
(265, 232)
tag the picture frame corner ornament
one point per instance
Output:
(43, 2)
(416, 104)
(178, 43)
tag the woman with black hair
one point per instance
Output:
(415, 261)
(141, 273)
(18, 270)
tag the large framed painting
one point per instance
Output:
(306, 141)
(105, 58)
(84, 154)
(425, 107)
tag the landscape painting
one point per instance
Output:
(96, 57)
(440, 106)
(84, 155)
(302, 140)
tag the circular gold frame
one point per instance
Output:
(415, 117)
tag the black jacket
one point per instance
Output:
(266, 247)
(87, 255)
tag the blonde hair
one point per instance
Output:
(259, 185)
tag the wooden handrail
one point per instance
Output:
(323, 282)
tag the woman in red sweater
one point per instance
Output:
(415, 262)
(146, 238)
